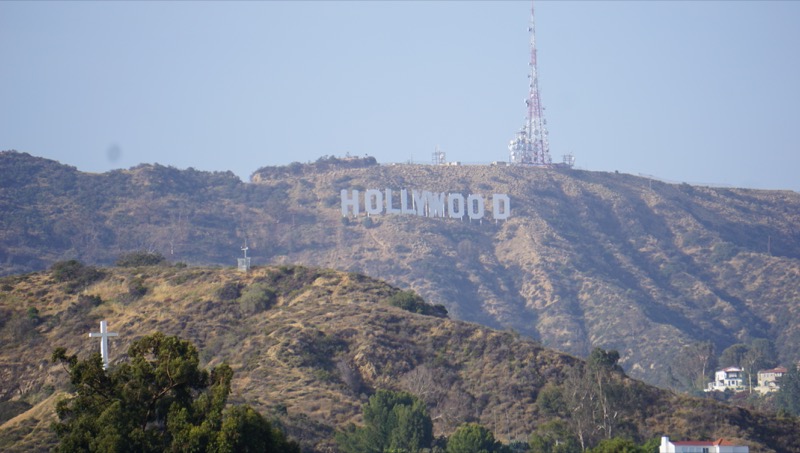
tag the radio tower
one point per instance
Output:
(530, 146)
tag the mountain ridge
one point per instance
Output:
(586, 259)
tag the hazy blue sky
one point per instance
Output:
(689, 91)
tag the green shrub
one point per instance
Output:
(140, 258)
(393, 421)
(89, 300)
(256, 298)
(75, 274)
(136, 289)
(411, 301)
(229, 291)
(473, 438)
(64, 271)
(33, 315)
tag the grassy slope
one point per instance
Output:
(587, 259)
(312, 359)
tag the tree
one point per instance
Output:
(245, 430)
(473, 438)
(600, 359)
(160, 400)
(788, 396)
(393, 421)
(579, 401)
(602, 366)
(652, 445)
(591, 395)
(554, 437)
(733, 355)
(760, 355)
(694, 363)
(551, 400)
(617, 445)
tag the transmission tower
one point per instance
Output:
(439, 157)
(531, 146)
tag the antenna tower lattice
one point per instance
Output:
(439, 157)
(531, 145)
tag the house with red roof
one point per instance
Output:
(700, 446)
(768, 379)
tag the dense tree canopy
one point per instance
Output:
(622, 445)
(600, 359)
(159, 400)
(474, 438)
(690, 370)
(554, 437)
(588, 400)
(788, 396)
(733, 355)
(393, 421)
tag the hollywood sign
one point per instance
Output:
(423, 203)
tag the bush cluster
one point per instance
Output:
(75, 274)
(411, 301)
(140, 258)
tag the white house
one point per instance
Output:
(727, 378)
(768, 379)
(700, 446)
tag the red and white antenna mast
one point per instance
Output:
(531, 146)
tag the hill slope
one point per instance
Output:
(309, 358)
(586, 258)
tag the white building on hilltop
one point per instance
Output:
(700, 446)
(727, 378)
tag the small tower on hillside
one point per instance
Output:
(439, 157)
(244, 263)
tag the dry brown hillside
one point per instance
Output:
(587, 259)
(310, 356)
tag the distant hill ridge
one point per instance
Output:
(321, 165)
(586, 259)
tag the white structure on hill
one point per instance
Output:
(700, 446)
(727, 378)
(768, 380)
(104, 334)
(244, 263)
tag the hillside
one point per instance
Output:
(310, 357)
(586, 258)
